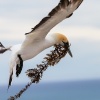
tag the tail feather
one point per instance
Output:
(12, 65)
(17, 62)
(2, 48)
(10, 79)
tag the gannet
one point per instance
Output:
(37, 40)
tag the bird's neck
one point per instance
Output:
(50, 41)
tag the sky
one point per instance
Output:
(17, 17)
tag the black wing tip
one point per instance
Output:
(1, 45)
(2, 48)
(8, 88)
(19, 66)
(10, 80)
(17, 70)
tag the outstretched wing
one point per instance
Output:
(63, 10)
(2, 48)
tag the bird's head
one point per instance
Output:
(62, 39)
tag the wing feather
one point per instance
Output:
(2, 48)
(53, 12)
(63, 10)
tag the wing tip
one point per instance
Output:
(1, 45)
(61, 4)
(2, 48)
(10, 80)
(19, 66)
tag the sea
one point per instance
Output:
(69, 90)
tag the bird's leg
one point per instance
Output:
(19, 66)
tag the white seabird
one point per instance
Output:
(37, 40)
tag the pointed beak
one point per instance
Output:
(67, 46)
(69, 52)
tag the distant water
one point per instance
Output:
(80, 90)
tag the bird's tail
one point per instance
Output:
(2, 48)
(10, 79)
(11, 74)
(12, 65)
(16, 61)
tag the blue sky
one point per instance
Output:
(82, 30)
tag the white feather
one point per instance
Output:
(35, 42)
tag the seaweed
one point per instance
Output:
(36, 74)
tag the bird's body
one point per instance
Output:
(29, 51)
(37, 40)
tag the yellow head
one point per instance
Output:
(62, 39)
